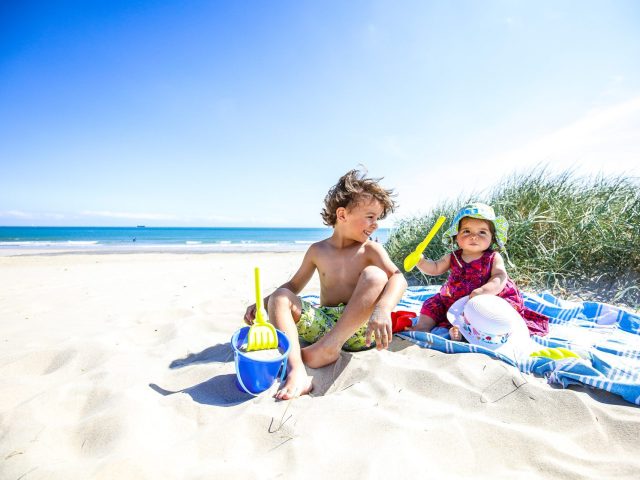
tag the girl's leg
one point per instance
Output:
(285, 309)
(454, 333)
(433, 308)
(425, 324)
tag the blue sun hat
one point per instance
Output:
(483, 212)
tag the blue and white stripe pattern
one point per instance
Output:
(606, 337)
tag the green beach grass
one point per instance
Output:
(576, 237)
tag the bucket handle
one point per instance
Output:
(283, 371)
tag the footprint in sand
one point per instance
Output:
(97, 435)
(60, 360)
(96, 400)
(42, 362)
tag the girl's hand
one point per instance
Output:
(476, 292)
(379, 328)
(250, 314)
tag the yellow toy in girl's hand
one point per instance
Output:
(414, 257)
(557, 353)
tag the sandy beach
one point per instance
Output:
(120, 366)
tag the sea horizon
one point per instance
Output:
(109, 239)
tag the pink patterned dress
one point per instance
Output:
(466, 277)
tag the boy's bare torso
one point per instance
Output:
(339, 270)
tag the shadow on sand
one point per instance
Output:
(220, 391)
(223, 391)
(221, 353)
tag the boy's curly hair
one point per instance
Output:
(352, 189)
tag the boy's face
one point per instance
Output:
(474, 235)
(361, 220)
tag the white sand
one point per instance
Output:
(119, 366)
(264, 355)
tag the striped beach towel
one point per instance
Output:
(606, 337)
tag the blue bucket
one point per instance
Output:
(254, 375)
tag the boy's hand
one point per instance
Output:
(250, 314)
(379, 328)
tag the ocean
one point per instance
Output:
(162, 239)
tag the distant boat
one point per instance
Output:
(141, 226)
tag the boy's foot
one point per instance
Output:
(454, 333)
(317, 356)
(295, 385)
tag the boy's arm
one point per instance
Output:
(380, 320)
(435, 267)
(302, 276)
(497, 281)
(295, 284)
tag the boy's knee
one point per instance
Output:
(281, 295)
(374, 275)
(284, 298)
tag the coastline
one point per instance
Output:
(119, 366)
(127, 240)
(151, 249)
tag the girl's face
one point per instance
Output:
(474, 235)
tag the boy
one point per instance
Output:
(359, 285)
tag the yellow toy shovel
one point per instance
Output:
(414, 257)
(262, 335)
(557, 353)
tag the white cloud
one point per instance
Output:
(197, 220)
(22, 217)
(605, 141)
(129, 215)
(56, 216)
(16, 214)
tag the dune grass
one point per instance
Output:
(573, 236)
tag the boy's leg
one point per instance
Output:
(360, 307)
(285, 309)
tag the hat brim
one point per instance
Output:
(500, 226)
(517, 346)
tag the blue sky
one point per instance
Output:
(244, 113)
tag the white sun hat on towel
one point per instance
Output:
(491, 322)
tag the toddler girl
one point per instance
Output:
(476, 269)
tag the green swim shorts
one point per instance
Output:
(316, 321)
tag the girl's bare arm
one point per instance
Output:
(435, 267)
(497, 281)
